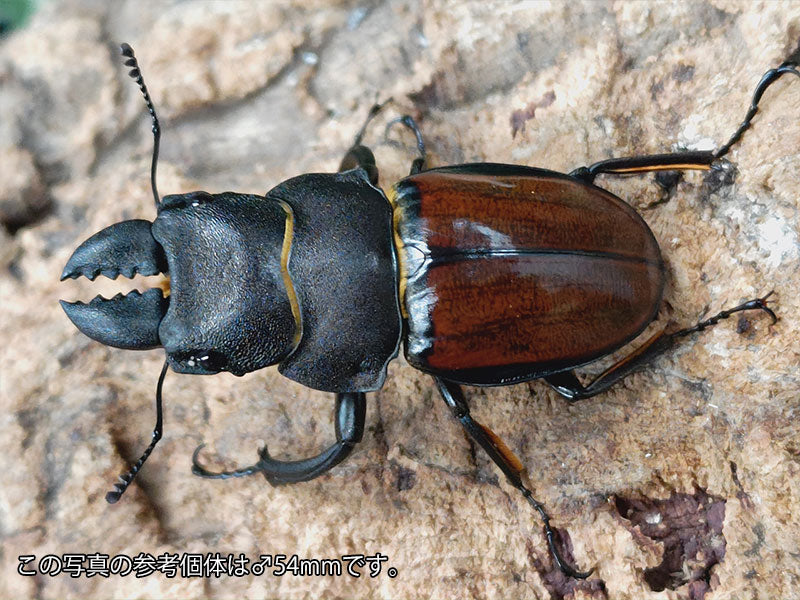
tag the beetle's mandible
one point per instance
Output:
(488, 274)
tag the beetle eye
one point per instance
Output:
(214, 361)
(200, 361)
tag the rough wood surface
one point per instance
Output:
(682, 482)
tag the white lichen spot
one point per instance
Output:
(734, 213)
(719, 350)
(653, 518)
(777, 240)
(255, 43)
(355, 18)
(607, 126)
(691, 138)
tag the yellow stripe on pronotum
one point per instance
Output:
(287, 280)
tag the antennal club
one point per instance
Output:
(136, 75)
(125, 480)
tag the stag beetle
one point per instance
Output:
(490, 274)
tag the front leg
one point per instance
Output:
(350, 414)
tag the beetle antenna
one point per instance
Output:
(125, 480)
(770, 77)
(136, 75)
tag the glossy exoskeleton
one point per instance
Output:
(489, 274)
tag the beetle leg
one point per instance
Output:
(770, 77)
(350, 414)
(504, 458)
(361, 157)
(358, 156)
(678, 161)
(567, 384)
(689, 160)
(408, 122)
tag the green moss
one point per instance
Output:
(14, 14)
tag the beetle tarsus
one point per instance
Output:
(755, 304)
(373, 112)
(201, 471)
(562, 564)
(350, 415)
(770, 77)
(408, 122)
(568, 385)
(125, 480)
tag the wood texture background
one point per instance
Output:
(702, 451)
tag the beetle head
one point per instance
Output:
(229, 308)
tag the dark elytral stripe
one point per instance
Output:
(442, 256)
